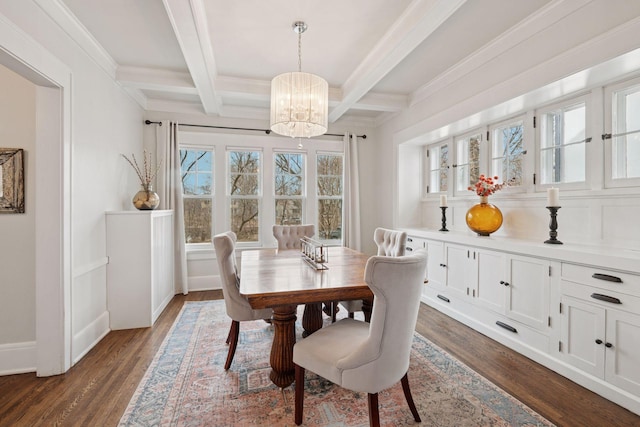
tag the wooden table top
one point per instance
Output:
(269, 278)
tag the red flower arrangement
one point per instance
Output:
(486, 186)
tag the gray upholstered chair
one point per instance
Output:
(367, 357)
(288, 236)
(390, 243)
(237, 306)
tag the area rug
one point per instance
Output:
(186, 385)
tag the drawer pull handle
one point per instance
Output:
(443, 265)
(507, 327)
(409, 248)
(409, 239)
(598, 341)
(606, 298)
(502, 282)
(443, 298)
(608, 345)
(606, 277)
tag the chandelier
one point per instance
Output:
(299, 101)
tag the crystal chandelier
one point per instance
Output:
(299, 101)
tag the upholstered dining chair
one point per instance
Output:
(288, 236)
(390, 243)
(237, 306)
(369, 357)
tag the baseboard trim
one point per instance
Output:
(17, 358)
(204, 283)
(91, 335)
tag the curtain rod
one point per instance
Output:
(267, 131)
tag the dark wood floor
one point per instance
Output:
(97, 390)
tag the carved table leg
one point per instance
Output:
(284, 323)
(312, 318)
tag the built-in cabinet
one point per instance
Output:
(140, 275)
(563, 307)
(601, 324)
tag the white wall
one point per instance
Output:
(105, 122)
(17, 244)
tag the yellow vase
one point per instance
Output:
(484, 218)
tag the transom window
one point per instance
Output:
(196, 168)
(625, 137)
(245, 194)
(289, 183)
(507, 152)
(563, 144)
(438, 160)
(467, 161)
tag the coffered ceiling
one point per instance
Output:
(218, 56)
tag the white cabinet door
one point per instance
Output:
(621, 348)
(436, 268)
(527, 290)
(490, 289)
(461, 275)
(583, 335)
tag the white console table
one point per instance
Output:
(140, 273)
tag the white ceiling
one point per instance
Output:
(219, 56)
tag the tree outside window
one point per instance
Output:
(507, 153)
(330, 190)
(467, 161)
(196, 168)
(289, 188)
(438, 168)
(244, 192)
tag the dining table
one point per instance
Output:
(282, 280)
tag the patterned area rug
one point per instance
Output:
(186, 385)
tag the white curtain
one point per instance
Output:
(170, 192)
(351, 204)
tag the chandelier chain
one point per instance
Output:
(300, 51)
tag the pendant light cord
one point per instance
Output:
(300, 51)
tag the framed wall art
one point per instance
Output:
(11, 180)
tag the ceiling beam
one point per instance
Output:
(416, 23)
(189, 22)
(156, 80)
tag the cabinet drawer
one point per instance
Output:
(445, 298)
(514, 330)
(602, 297)
(605, 279)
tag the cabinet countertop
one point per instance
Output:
(606, 257)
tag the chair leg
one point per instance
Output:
(230, 331)
(299, 397)
(374, 414)
(407, 396)
(334, 311)
(234, 332)
(352, 315)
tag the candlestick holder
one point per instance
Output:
(553, 226)
(444, 218)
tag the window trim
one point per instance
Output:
(259, 196)
(609, 91)
(563, 104)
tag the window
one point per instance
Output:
(467, 161)
(438, 160)
(288, 177)
(625, 133)
(329, 176)
(196, 167)
(562, 144)
(245, 194)
(507, 152)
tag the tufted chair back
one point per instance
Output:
(369, 357)
(237, 306)
(288, 236)
(390, 242)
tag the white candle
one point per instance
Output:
(443, 201)
(553, 197)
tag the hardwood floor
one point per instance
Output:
(97, 390)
